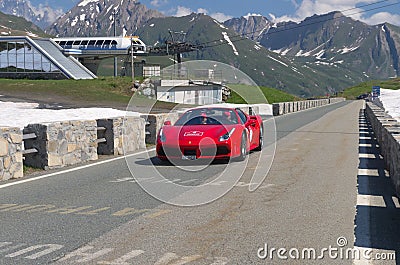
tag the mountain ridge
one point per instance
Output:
(95, 18)
(41, 15)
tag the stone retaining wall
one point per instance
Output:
(290, 107)
(11, 165)
(61, 143)
(387, 132)
(123, 135)
(154, 122)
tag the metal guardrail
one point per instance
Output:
(28, 137)
(103, 139)
(146, 131)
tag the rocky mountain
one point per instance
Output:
(265, 67)
(95, 18)
(337, 41)
(251, 26)
(322, 54)
(43, 16)
(17, 26)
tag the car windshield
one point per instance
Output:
(208, 116)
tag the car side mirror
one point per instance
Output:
(167, 123)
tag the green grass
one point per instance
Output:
(102, 89)
(253, 96)
(112, 92)
(31, 170)
(366, 87)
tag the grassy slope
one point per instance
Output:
(102, 91)
(366, 87)
(272, 95)
(19, 26)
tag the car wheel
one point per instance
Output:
(243, 148)
(261, 139)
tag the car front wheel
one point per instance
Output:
(243, 148)
(261, 139)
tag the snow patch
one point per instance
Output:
(33, 35)
(151, 25)
(86, 2)
(320, 54)
(21, 114)
(226, 37)
(286, 51)
(347, 50)
(276, 60)
(82, 17)
(251, 15)
(391, 102)
(108, 9)
(74, 22)
(220, 25)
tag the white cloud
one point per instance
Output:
(182, 11)
(220, 17)
(308, 8)
(383, 17)
(158, 3)
(46, 12)
(202, 10)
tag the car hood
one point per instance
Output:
(194, 133)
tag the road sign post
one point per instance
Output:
(376, 91)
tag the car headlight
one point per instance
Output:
(162, 136)
(226, 136)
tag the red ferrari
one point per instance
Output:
(210, 133)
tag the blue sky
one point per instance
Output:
(280, 10)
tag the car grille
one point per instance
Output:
(190, 152)
(174, 152)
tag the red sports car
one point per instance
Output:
(210, 133)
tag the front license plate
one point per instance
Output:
(189, 157)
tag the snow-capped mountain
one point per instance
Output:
(17, 26)
(95, 18)
(252, 26)
(334, 40)
(42, 16)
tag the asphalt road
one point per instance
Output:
(98, 214)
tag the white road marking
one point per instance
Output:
(369, 172)
(362, 260)
(370, 200)
(123, 260)
(50, 248)
(84, 255)
(72, 169)
(89, 254)
(373, 156)
(166, 259)
(365, 145)
(396, 202)
(12, 247)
